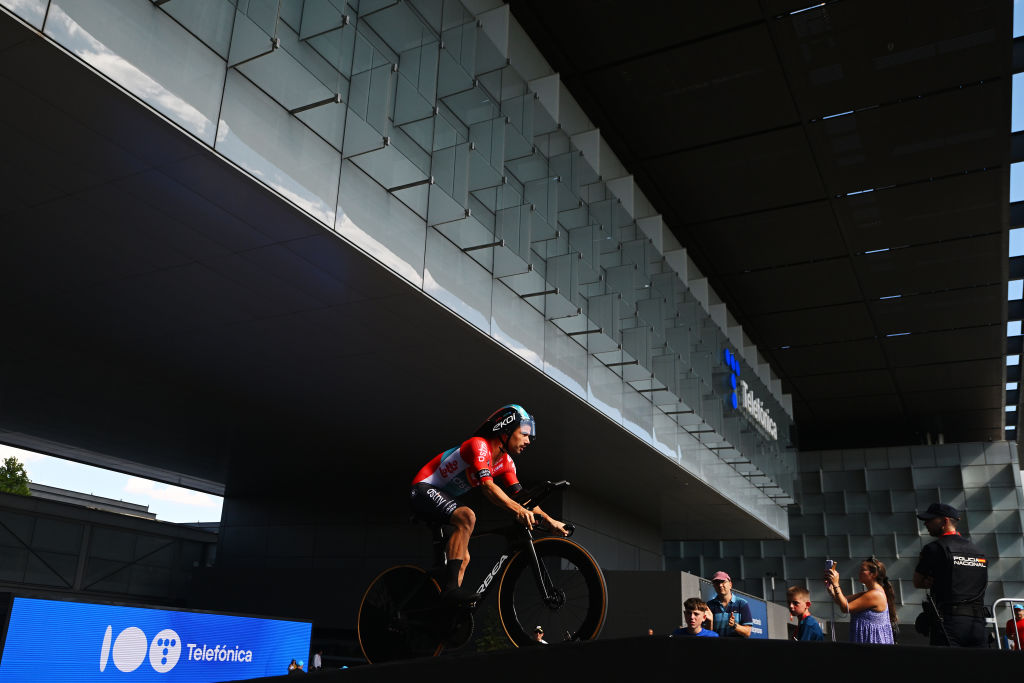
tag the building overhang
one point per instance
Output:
(165, 313)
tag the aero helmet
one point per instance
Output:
(505, 420)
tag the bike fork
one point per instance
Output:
(539, 572)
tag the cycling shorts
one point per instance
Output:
(431, 503)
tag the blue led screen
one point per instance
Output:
(72, 641)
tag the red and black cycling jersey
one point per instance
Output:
(458, 470)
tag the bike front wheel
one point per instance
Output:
(576, 597)
(398, 616)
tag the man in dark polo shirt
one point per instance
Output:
(955, 571)
(730, 613)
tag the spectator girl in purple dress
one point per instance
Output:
(870, 619)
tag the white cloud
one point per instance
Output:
(173, 494)
(23, 456)
(123, 72)
(22, 7)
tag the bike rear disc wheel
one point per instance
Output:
(578, 601)
(397, 616)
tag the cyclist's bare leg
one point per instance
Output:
(464, 520)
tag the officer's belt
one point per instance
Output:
(964, 610)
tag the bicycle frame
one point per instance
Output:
(403, 613)
(539, 574)
(518, 538)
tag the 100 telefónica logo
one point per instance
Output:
(129, 651)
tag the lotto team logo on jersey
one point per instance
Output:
(130, 648)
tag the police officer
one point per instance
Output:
(955, 571)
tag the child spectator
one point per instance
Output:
(1015, 626)
(800, 607)
(695, 611)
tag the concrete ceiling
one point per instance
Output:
(786, 150)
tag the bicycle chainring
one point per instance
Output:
(461, 630)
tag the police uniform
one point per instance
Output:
(960, 574)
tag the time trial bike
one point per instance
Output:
(550, 580)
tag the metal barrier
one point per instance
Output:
(995, 619)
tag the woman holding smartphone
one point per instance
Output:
(870, 619)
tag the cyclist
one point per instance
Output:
(476, 464)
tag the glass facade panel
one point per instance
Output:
(143, 50)
(565, 361)
(847, 524)
(904, 501)
(835, 503)
(892, 478)
(861, 546)
(32, 11)
(843, 481)
(518, 326)
(946, 477)
(857, 502)
(1001, 453)
(816, 546)
(898, 457)
(812, 503)
(811, 524)
(1004, 498)
(294, 161)
(989, 475)
(838, 546)
(209, 20)
(637, 413)
(380, 225)
(908, 545)
(457, 282)
(604, 389)
(666, 436)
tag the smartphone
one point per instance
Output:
(829, 564)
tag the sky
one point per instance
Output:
(169, 503)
